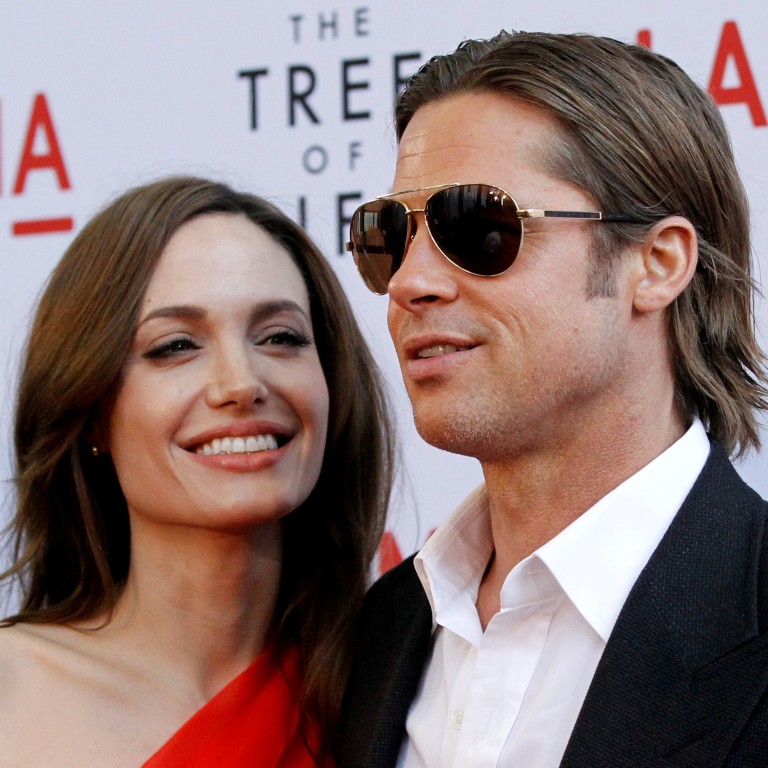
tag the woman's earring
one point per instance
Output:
(95, 450)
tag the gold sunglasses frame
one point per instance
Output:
(521, 213)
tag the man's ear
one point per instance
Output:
(670, 253)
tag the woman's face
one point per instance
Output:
(221, 417)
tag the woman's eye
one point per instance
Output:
(286, 338)
(170, 348)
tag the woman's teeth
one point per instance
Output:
(250, 444)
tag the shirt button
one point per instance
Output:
(458, 718)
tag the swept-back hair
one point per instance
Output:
(643, 139)
(71, 528)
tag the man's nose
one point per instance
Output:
(425, 275)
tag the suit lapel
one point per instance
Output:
(386, 674)
(404, 672)
(685, 664)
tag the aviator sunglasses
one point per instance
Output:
(477, 227)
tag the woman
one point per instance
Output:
(203, 468)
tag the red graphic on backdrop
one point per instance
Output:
(48, 157)
(730, 49)
(389, 552)
(43, 226)
(644, 38)
(41, 121)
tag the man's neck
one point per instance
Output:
(535, 495)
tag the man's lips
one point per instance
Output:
(424, 347)
(439, 349)
(430, 357)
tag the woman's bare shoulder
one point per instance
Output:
(70, 697)
(54, 698)
(34, 650)
(38, 664)
(26, 658)
(22, 649)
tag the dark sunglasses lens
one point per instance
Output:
(378, 231)
(476, 227)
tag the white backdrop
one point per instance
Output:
(100, 96)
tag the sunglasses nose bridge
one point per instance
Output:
(410, 229)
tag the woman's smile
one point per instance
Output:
(223, 366)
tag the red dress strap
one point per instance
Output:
(253, 721)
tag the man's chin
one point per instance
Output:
(450, 433)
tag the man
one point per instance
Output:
(566, 254)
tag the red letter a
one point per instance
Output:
(41, 121)
(731, 47)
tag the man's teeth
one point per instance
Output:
(438, 349)
(250, 444)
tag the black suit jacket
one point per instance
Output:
(683, 680)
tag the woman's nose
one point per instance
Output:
(235, 378)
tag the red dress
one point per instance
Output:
(254, 721)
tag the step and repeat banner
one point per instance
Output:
(293, 101)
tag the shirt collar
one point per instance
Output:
(450, 564)
(595, 560)
(600, 555)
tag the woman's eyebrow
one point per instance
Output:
(269, 308)
(191, 312)
(181, 311)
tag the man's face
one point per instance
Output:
(523, 362)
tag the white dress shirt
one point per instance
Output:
(510, 696)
